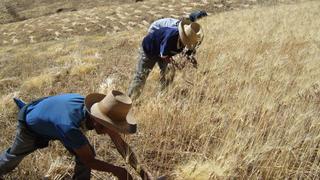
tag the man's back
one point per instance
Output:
(162, 42)
(165, 22)
(58, 117)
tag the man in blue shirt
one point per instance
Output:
(64, 117)
(188, 54)
(159, 47)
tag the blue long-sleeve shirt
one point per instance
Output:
(58, 118)
(162, 42)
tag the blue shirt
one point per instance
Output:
(58, 118)
(162, 42)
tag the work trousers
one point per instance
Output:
(143, 69)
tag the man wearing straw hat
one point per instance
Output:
(62, 117)
(159, 47)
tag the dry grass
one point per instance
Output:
(257, 107)
(34, 21)
(250, 111)
(13, 10)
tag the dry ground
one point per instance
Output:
(37, 20)
(13, 10)
(251, 110)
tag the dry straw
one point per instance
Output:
(250, 111)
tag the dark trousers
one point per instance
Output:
(144, 67)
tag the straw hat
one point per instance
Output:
(190, 33)
(112, 110)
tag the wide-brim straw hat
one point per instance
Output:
(112, 110)
(190, 33)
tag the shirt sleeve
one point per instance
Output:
(74, 139)
(168, 43)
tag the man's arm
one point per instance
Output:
(86, 156)
(190, 56)
(167, 59)
(127, 153)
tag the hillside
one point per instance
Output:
(13, 11)
(250, 111)
(35, 21)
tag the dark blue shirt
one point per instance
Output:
(58, 118)
(162, 42)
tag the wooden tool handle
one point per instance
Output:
(127, 153)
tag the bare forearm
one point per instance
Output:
(119, 172)
(86, 155)
(99, 165)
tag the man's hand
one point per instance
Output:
(122, 174)
(193, 61)
(145, 175)
(189, 55)
(167, 59)
(189, 52)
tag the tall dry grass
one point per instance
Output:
(253, 109)
(250, 111)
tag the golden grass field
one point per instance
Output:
(250, 111)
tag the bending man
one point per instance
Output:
(60, 118)
(159, 47)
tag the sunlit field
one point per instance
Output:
(250, 111)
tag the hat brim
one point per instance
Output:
(183, 35)
(127, 126)
(185, 39)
